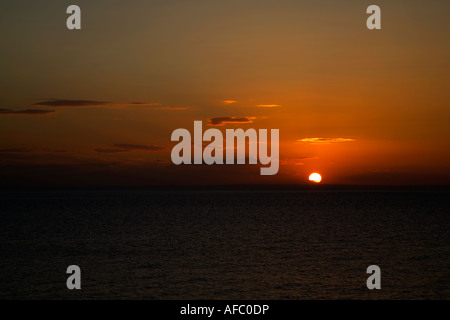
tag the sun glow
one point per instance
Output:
(315, 177)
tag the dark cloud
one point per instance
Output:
(19, 156)
(7, 156)
(109, 150)
(142, 104)
(26, 112)
(90, 103)
(138, 147)
(397, 178)
(297, 160)
(122, 147)
(33, 155)
(70, 103)
(15, 150)
(224, 120)
(59, 174)
(173, 108)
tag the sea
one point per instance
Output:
(225, 243)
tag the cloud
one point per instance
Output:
(223, 120)
(269, 105)
(109, 150)
(35, 112)
(90, 103)
(173, 108)
(406, 178)
(325, 140)
(229, 101)
(140, 104)
(37, 156)
(298, 161)
(138, 147)
(70, 103)
(15, 150)
(120, 147)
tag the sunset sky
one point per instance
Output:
(97, 106)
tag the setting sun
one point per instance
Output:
(315, 177)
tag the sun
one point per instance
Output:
(315, 177)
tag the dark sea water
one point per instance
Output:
(225, 244)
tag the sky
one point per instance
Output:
(97, 106)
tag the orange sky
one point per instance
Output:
(97, 106)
